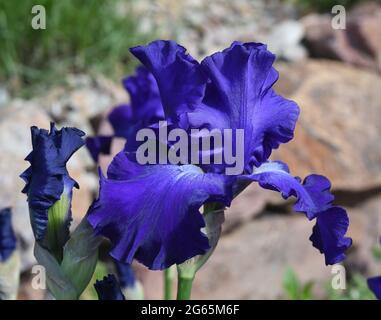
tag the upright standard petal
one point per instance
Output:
(151, 213)
(108, 289)
(7, 235)
(239, 96)
(179, 77)
(313, 198)
(145, 109)
(47, 175)
(231, 89)
(145, 106)
(145, 98)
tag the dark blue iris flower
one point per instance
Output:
(7, 236)
(108, 289)
(151, 212)
(374, 284)
(47, 177)
(145, 109)
(126, 275)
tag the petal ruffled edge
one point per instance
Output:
(328, 234)
(47, 175)
(179, 77)
(315, 201)
(158, 207)
(108, 288)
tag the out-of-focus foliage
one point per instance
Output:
(91, 35)
(322, 5)
(357, 289)
(377, 253)
(294, 289)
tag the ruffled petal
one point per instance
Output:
(144, 95)
(145, 109)
(145, 106)
(126, 124)
(45, 178)
(313, 195)
(374, 284)
(7, 235)
(122, 120)
(108, 289)
(151, 213)
(239, 96)
(179, 77)
(328, 234)
(313, 198)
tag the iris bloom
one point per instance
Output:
(151, 212)
(47, 179)
(125, 273)
(108, 288)
(129, 284)
(145, 109)
(374, 284)
(7, 236)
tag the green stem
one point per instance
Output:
(168, 281)
(184, 288)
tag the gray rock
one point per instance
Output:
(250, 262)
(253, 259)
(358, 44)
(81, 100)
(285, 41)
(338, 132)
(208, 26)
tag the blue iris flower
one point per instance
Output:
(151, 212)
(126, 274)
(7, 235)
(374, 284)
(108, 288)
(47, 178)
(145, 109)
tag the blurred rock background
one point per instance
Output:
(70, 72)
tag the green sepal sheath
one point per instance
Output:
(214, 217)
(68, 279)
(59, 220)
